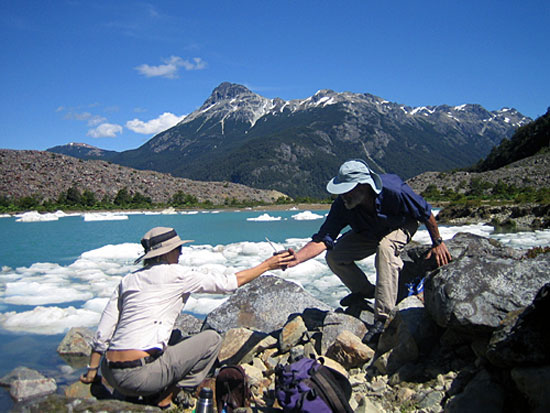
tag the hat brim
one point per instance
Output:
(338, 188)
(163, 250)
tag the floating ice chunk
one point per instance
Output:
(61, 214)
(121, 252)
(306, 216)
(104, 216)
(96, 304)
(48, 320)
(40, 293)
(423, 237)
(263, 218)
(524, 240)
(34, 216)
(204, 303)
(200, 256)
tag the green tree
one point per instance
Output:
(180, 198)
(431, 192)
(478, 187)
(4, 201)
(122, 197)
(28, 202)
(140, 199)
(73, 196)
(88, 198)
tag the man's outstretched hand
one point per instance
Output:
(294, 261)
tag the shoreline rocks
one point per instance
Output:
(504, 217)
(475, 339)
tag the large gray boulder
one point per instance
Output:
(484, 282)
(30, 388)
(410, 335)
(77, 342)
(482, 394)
(76, 346)
(264, 305)
(20, 373)
(523, 339)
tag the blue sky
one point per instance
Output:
(114, 73)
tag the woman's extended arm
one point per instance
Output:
(275, 262)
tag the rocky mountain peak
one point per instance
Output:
(232, 101)
(82, 145)
(226, 91)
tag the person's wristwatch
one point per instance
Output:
(437, 242)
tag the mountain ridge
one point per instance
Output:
(295, 146)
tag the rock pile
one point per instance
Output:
(511, 217)
(533, 172)
(475, 339)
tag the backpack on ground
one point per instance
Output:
(308, 386)
(232, 389)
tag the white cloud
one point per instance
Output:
(171, 67)
(92, 120)
(96, 120)
(105, 130)
(82, 116)
(154, 126)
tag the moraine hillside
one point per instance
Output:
(45, 175)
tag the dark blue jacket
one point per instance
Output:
(394, 206)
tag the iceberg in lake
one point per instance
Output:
(189, 212)
(264, 217)
(104, 216)
(306, 216)
(34, 216)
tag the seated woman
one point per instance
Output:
(137, 322)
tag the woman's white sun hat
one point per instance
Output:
(159, 241)
(351, 173)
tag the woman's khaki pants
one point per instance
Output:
(185, 364)
(353, 246)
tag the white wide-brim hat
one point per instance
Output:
(351, 173)
(159, 241)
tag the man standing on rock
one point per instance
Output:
(383, 213)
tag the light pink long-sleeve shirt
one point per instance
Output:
(143, 308)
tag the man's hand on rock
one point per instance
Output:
(441, 253)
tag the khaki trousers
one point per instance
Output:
(353, 246)
(186, 364)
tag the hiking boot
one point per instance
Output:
(355, 300)
(374, 333)
(185, 398)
